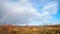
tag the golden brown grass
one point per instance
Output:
(46, 29)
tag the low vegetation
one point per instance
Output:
(46, 29)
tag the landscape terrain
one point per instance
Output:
(46, 29)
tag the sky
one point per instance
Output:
(30, 12)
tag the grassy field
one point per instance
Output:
(46, 29)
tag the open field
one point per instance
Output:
(46, 29)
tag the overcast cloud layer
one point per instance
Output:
(24, 12)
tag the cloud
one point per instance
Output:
(51, 7)
(22, 12)
(47, 15)
(49, 11)
(19, 15)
